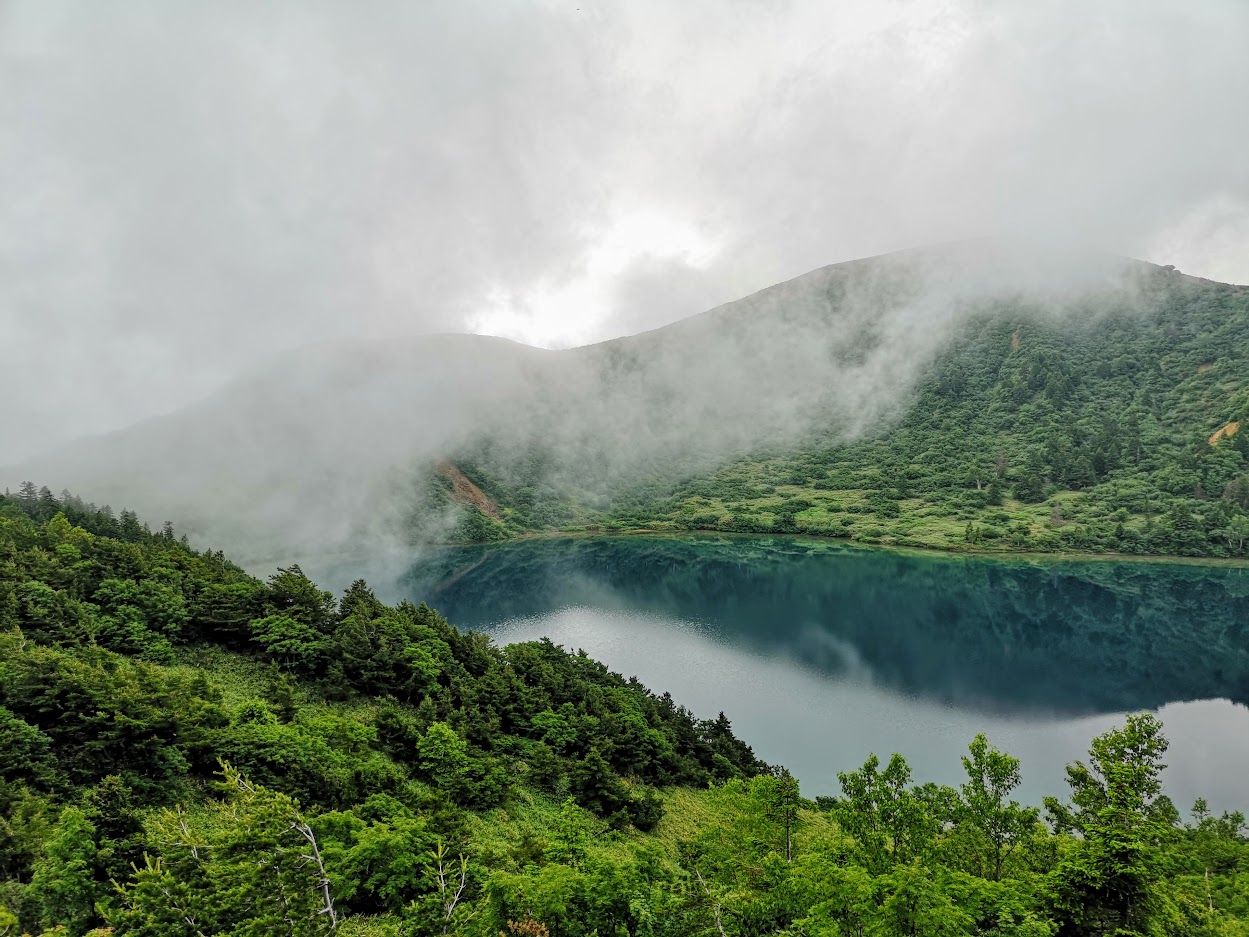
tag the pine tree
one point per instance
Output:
(63, 886)
(250, 866)
(784, 809)
(359, 598)
(130, 527)
(28, 497)
(48, 505)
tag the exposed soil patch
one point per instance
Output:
(464, 491)
(1228, 430)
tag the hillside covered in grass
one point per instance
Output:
(1110, 428)
(187, 750)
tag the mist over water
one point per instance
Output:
(874, 651)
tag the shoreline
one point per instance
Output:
(847, 543)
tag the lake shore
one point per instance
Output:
(848, 543)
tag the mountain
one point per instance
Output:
(985, 394)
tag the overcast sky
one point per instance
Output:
(188, 188)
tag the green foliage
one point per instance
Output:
(477, 527)
(251, 758)
(1002, 824)
(63, 886)
(1104, 885)
(289, 641)
(1026, 433)
(28, 756)
(889, 821)
(132, 665)
(247, 865)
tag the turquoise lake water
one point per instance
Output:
(821, 653)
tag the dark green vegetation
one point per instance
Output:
(1091, 431)
(186, 750)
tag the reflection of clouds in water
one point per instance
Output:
(818, 725)
(1004, 636)
(828, 653)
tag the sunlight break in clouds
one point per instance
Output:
(574, 311)
(187, 190)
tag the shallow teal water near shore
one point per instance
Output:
(821, 653)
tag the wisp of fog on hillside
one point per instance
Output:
(260, 229)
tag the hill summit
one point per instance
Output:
(984, 394)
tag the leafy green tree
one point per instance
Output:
(570, 837)
(28, 757)
(914, 902)
(847, 907)
(388, 654)
(1237, 530)
(293, 594)
(991, 777)
(48, 614)
(1108, 885)
(784, 808)
(444, 755)
(104, 713)
(162, 608)
(113, 810)
(889, 823)
(447, 907)
(377, 854)
(222, 612)
(359, 599)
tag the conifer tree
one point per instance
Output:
(63, 886)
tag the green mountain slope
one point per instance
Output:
(988, 394)
(1109, 425)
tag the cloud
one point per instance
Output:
(1212, 238)
(187, 189)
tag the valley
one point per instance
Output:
(624, 469)
(777, 513)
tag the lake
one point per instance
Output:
(821, 652)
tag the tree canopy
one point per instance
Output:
(188, 750)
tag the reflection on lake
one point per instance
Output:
(821, 653)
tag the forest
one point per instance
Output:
(188, 750)
(1113, 432)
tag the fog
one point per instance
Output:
(328, 449)
(253, 217)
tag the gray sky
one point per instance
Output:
(189, 188)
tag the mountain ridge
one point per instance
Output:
(321, 446)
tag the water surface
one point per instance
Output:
(821, 653)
